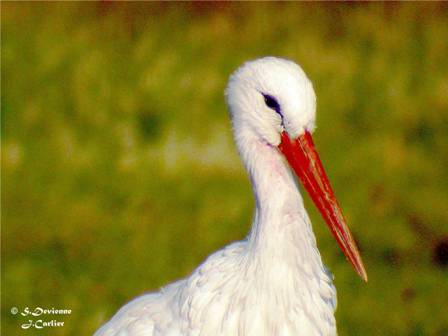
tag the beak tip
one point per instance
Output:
(362, 272)
(365, 277)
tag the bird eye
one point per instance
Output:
(271, 102)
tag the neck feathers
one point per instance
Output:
(282, 251)
(281, 226)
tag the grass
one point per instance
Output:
(120, 174)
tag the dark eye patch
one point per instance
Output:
(272, 103)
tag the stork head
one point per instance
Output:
(273, 100)
(271, 95)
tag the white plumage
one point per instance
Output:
(274, 282)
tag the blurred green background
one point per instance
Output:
(120, 173)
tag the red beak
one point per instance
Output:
(304, 160)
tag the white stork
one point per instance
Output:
(274, 282)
